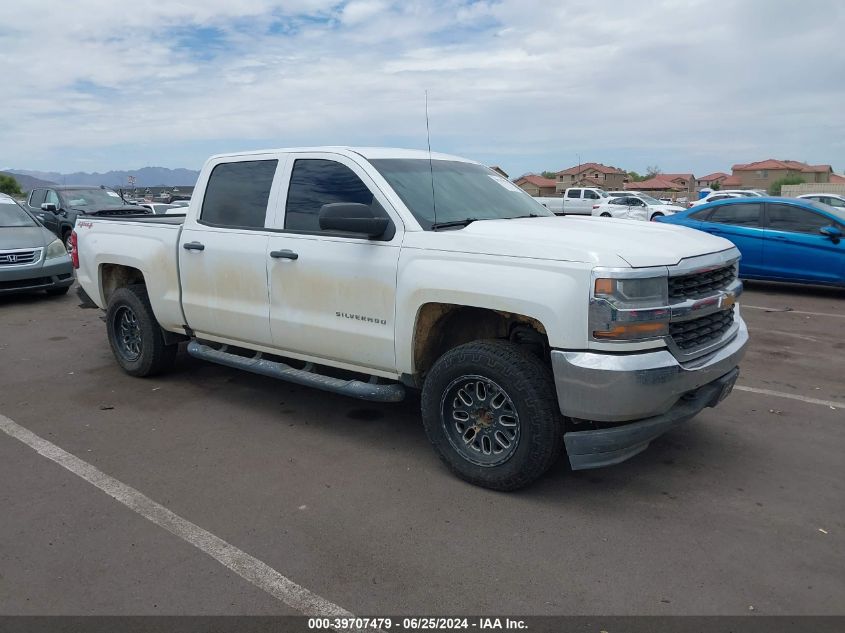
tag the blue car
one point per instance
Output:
(781, 239)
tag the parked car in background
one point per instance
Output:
(58, 207)
(31, 257)
(638, 207)
(781, 239)
(725, 194)
(830, 199)
(575, 201)
(158, 208)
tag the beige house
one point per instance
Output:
(590, 175)
(499, 171)
(763, 173)
(536, 185)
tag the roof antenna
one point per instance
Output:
(430, 164)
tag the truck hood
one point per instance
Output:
(598, 241)
(13, 237)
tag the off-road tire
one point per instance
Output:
(528, 384)
(153, 355)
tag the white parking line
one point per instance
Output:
(247, 567)
(787, 311)
(792, 396)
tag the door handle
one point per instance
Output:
(193, 246)
(285, 254)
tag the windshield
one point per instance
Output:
(13, 215)
(460, 191)
(91, 198)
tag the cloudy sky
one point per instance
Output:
(529, 85)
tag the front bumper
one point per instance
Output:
(603, 447)
(609, 387)
(56, 273)
(648, 393)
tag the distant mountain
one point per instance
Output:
(28, 182)
(144, 177)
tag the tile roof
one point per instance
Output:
(836, 178)
(732, 181)
(658, 183)
(716, 175)
(687, 177)
(602, 169)
(772, 163)
(536, 180)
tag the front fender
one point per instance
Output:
(554, 293)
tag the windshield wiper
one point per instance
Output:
(446, 225)
(530, 215)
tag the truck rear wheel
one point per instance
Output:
(490, 411)
(135, 336)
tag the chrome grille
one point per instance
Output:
(697, 332)
(17, 258)
(701, 284)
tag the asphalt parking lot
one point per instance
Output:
(739, 511)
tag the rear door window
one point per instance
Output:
(573, 193)
(237, 194)
(737, 215)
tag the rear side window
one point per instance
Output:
(36, 199)
(785, 217)
(237, 194)
(317, 182)
(573, 193)
(736, 214)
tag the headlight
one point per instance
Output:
(55, 249)
(645, 292)
(629, 309)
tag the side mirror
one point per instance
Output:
(352, 217)
(49, 206)
(831, 232)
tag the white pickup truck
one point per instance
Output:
(575, 201)
(369, 272)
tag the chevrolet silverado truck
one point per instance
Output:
(373, 272)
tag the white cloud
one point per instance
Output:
(524, 83)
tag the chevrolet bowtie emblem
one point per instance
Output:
(728, 301)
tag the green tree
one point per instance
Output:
(9, 185)
(775, 187)
(651, 171)
(549, 174)
(635, 177)
(716, 186)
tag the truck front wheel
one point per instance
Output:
(490, 411)
(135, 336)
